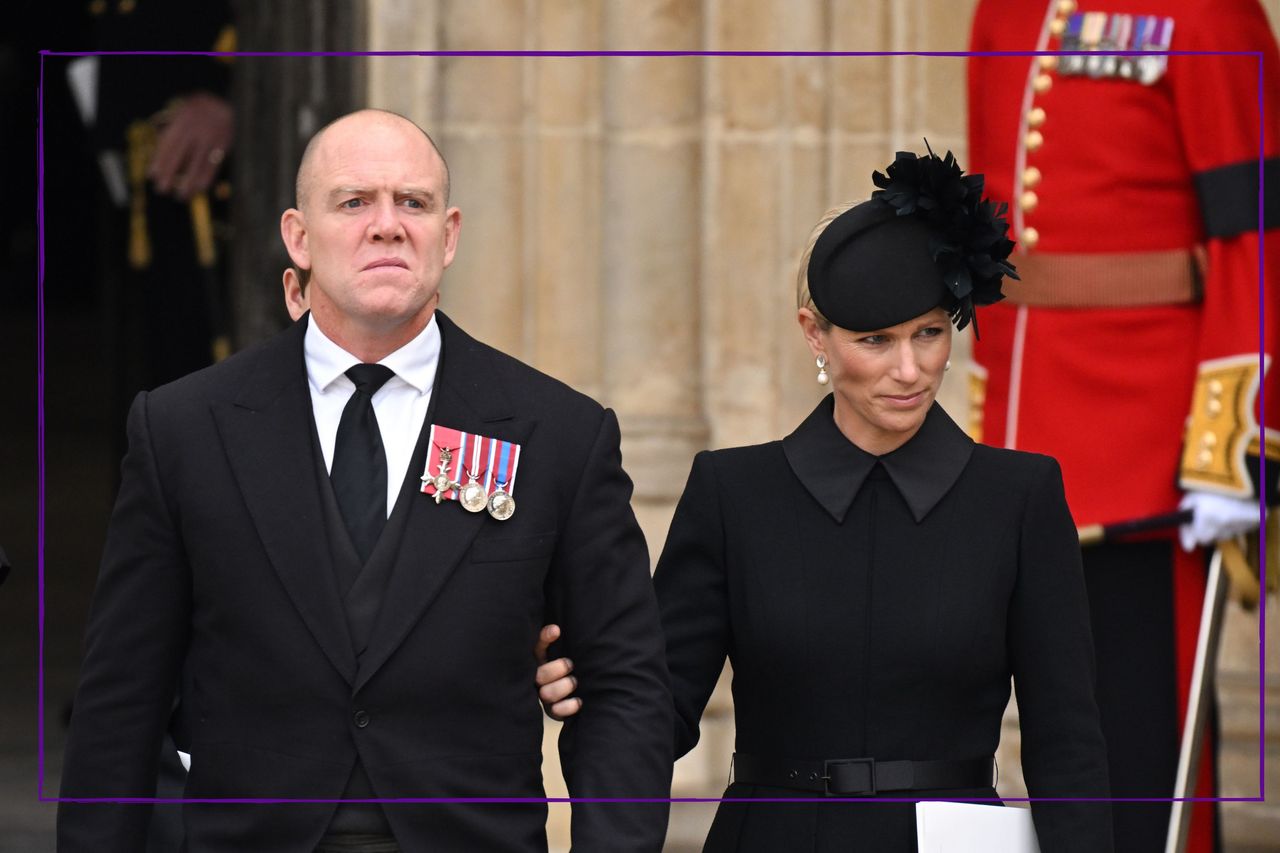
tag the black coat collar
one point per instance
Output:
(833, 469)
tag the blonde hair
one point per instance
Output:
(803, 298)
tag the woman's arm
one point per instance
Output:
(690, 582)
(693, 598)
(1051, 649)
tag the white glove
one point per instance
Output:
(1216, 517)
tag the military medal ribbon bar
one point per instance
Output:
(477, 471)
(1106, 34)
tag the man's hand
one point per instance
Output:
(555, 682)
(1216, 518)
(193, 141)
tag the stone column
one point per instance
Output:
(567, 329)
(409, 85)
(484, 124)
(649, 271)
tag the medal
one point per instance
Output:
(1158, 35)
(501, 504)
(1117, 39)
(1091, 34)
(473, 496)
(1074, 64)
(441, 481)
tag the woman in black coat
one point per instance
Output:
(876, 577)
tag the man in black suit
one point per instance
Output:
(303, 630)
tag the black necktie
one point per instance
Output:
(359, 472)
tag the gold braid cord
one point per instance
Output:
(1221, 428)
(1242, 560)
(141, 137)
(977, 393)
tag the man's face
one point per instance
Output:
(373, 229)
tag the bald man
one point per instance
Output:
(303, 527)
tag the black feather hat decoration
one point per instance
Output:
(967, 239)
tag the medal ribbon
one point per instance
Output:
(504, 457)
(458, 457)
(439, 438)
(508, 460)
(475, 458)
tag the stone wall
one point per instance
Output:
(632, 225)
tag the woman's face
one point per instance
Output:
(885, 380)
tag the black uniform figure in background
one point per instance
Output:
(875, 577)
(161, 130)
(307, 669)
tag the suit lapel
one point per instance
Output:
(267, 436)
(436, 537)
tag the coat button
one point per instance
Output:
(361, 719)
(1030, 237)
(1042, 83)
(1031, 177)
(1034, 140)
(1036, 116)
(1029, 201)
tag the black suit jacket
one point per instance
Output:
(877, 609)
(217, 568)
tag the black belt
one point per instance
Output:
(860, 777)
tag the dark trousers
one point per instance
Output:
(1131, 603)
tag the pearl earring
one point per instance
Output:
(948, 365)
(821, 361)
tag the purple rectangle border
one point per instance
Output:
(40, 422)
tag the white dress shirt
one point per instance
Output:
(400, 405)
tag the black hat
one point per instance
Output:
(926, 238)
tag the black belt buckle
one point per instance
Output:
(849, 777)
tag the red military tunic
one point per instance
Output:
(1131, 349)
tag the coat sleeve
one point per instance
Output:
(134, 646)
(693, 597)
(1228, 109)
(619, 744)
(1051, 650)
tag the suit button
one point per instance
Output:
(361, 719)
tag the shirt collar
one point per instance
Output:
(833, 469)
(414, 363)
